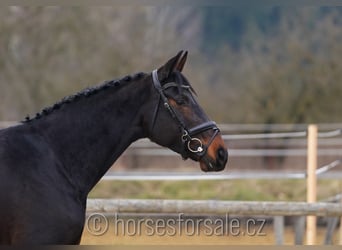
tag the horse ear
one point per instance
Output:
(175, 63)
(181, 62)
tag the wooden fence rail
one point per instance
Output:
(278, 208)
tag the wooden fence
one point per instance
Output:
(214, 207)
(245, 208)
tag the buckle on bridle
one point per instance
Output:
(185, 137)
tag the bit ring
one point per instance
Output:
(199, 148)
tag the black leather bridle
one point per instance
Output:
(191, 143)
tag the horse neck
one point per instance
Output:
(89, 135)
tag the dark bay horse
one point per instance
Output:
(48, 164)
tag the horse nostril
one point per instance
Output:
(222, 154)
(222, 158)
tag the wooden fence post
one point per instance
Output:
(340, 236)
(299, 229)
(278, 225)
(311, 182)
(331, 225)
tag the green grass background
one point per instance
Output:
(251, 189)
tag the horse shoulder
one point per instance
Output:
(30, 190)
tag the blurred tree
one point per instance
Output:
(231, 25)
(290, 75)
(271, 65)
(49, 52)
(303, 81)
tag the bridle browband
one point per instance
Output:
(188, 138)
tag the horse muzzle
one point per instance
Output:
(216, 156)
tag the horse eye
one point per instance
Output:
(182, 100)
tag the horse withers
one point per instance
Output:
(49, 163)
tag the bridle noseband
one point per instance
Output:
(193, 144)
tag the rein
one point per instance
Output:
(193, 144)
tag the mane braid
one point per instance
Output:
(83, 94)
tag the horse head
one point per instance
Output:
(178, 122)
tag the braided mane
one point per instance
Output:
(84, 93)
